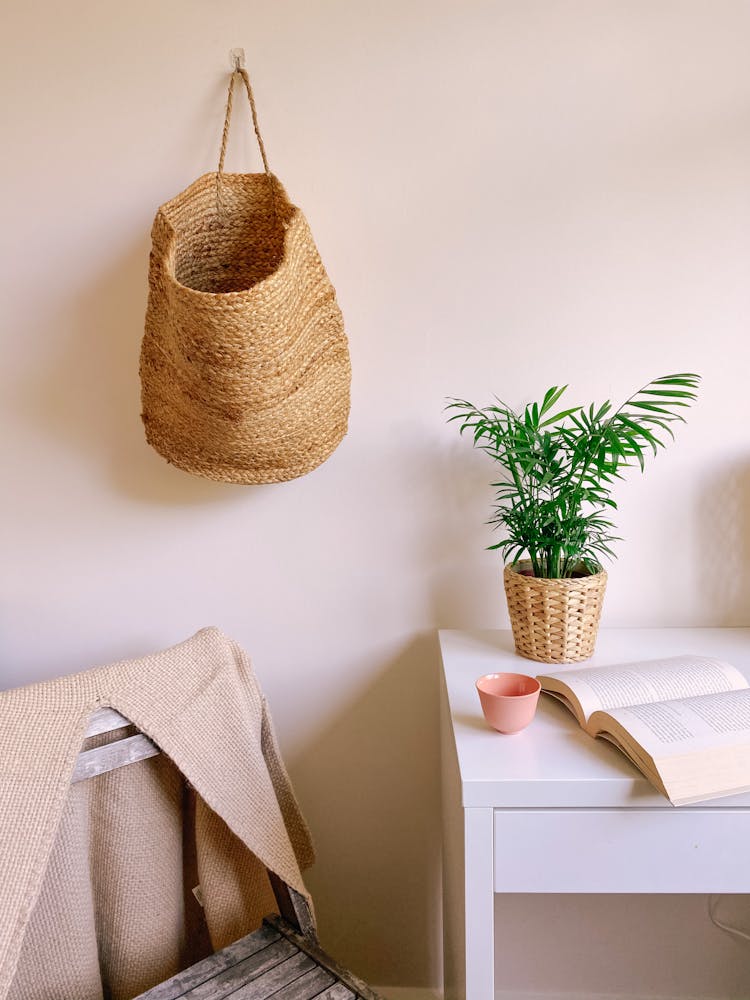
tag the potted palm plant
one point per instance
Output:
(555, 498)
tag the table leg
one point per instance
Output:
(479, 903)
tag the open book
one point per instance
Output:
(683, 721)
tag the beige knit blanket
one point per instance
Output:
(97, 879)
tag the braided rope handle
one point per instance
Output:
(242, 73)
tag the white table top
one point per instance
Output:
(553, 763)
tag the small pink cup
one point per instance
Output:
(508, 700)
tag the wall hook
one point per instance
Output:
(237, 59)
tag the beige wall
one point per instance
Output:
(507, 195)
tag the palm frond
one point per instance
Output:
(560, 467)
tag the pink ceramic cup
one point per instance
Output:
(508, 700)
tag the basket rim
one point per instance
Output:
(169, 251)
(510, 569)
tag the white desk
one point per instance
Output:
(551, 810)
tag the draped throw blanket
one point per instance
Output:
(113, 884)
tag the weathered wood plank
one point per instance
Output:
(293, 907)
(210, 967)
(338, 991)
(274, 961)
(313, 948)
(303, 914)
(266, 972)
(304, 988)
(107, 758)
(231, 983)
(104, 720)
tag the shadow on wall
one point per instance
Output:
(372, 796)
(466, 586)
(724, 530)
(88, 393)
(370, 779)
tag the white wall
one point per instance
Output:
(507, 195)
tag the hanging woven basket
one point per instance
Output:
(554, 621)
(245, 370)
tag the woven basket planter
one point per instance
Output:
(554, 621)
(245, 369)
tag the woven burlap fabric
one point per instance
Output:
(96, 878)
(245, 369)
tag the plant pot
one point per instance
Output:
(554, 621)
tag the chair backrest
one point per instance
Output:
(126, 750)
(134, 746)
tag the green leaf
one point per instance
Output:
(671, 394)
(559, 416)
(653, 407)
(551, 397)
(685, 378)
(643, 431)
(602, 411)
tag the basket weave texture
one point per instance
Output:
(554, 621)
(245, 370)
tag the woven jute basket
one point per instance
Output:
(245, 370)
(554, 621)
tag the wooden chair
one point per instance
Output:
(282, 959)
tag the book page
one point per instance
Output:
(673, 728)
(605, 688)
